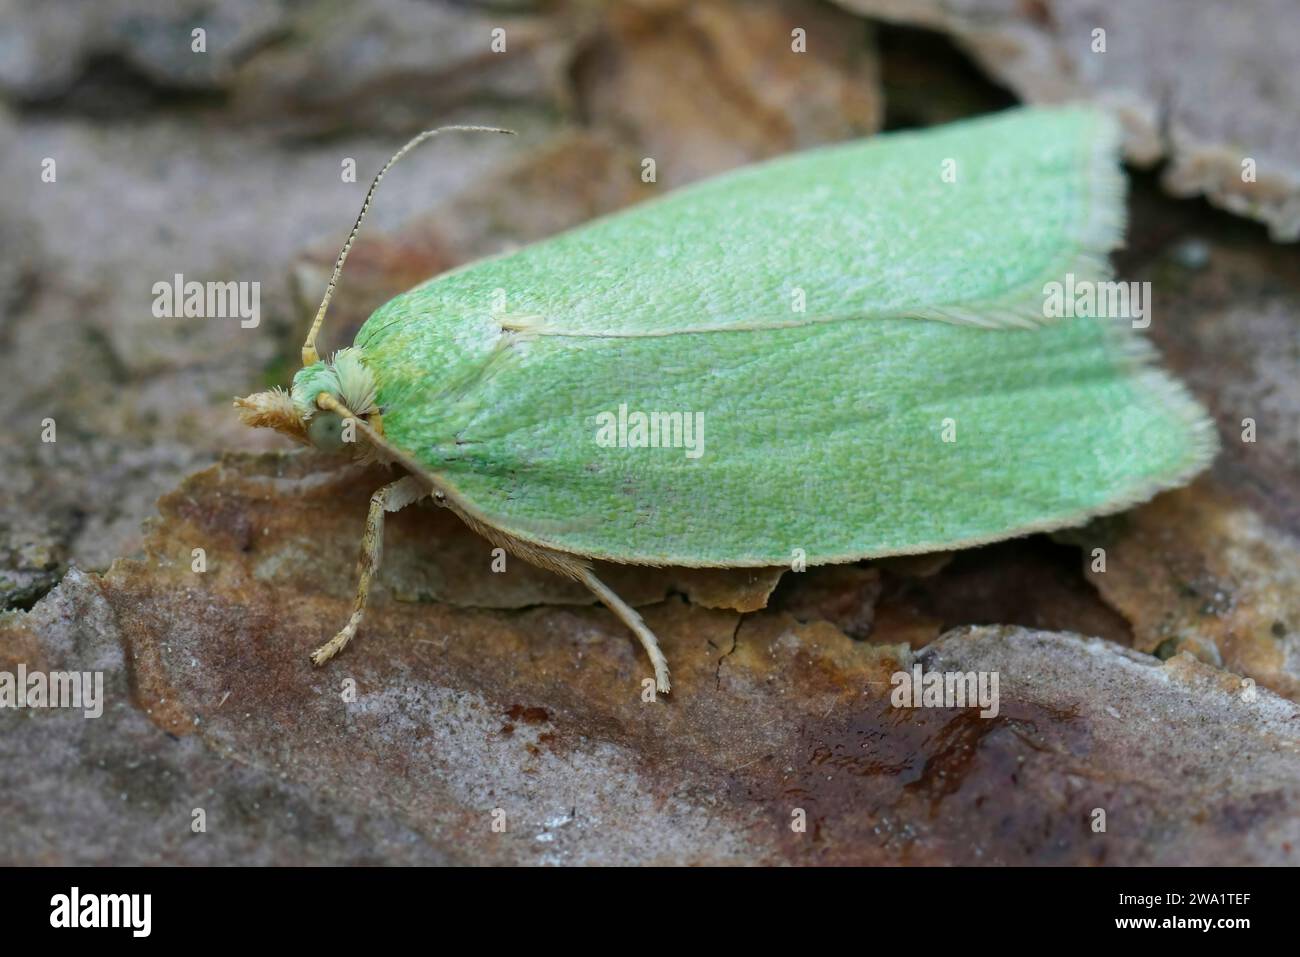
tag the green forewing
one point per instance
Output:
(904, 409)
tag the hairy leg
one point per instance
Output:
(390, 498)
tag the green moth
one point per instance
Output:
(827, 357)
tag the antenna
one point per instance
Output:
(309, 354)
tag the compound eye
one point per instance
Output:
(326, 431)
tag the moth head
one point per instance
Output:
(298, 413)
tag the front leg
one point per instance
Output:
(390, 498)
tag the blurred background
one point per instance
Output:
(214, 138)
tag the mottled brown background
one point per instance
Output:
(1122, 690)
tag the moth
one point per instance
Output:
(858, 333)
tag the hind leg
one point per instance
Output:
(633, 620)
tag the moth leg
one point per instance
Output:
(390, 498)
(633, 620)
(576, 568)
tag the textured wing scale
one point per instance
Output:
(867, 229)
(823, 431)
